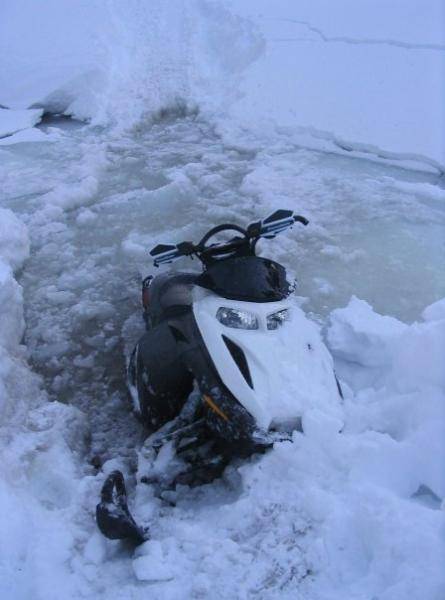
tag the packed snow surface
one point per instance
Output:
(354, 506)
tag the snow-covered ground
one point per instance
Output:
(357, 514)
(365, 76)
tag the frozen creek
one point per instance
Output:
(95, 204)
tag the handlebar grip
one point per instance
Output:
(186, 248)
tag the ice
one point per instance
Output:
(16, 127)
(70, 196)
(12, 121)
(12, 324)
(381, 67)
(26, 135)
(191, 123)
(120, 63)
(89, 61)
(14, 241)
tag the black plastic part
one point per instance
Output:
(248, 278)
(170, 295)
(162, 380)
(224, 227)
(240, 359)
(178, 335)
(112, 514)
(300, 219)
(160, 248)
(339, 388)
(278, 215)
(186, 248)
(254, 229)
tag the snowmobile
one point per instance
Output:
(223, 367)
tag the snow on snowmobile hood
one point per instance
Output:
(276, 374)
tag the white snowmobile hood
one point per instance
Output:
(291, 369)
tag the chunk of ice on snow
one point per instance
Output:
(360, 335)
(14, 241)
(25, 135)
(12, 121)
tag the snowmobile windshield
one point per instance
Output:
(248, 278)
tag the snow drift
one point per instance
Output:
(38, 445)
(355, 514)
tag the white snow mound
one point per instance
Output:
(350, 514)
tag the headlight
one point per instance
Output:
(277, 318)
(238, 319)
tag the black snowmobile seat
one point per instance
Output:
(170, 292)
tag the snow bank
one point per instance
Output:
(404, 395)
(38, 442)
(405, 357)
(346, 77)
(355, 514)
(14, 249)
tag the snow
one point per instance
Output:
(12, 121)
(300, 66)
(199, 114)
(325, 516)
(364, 519)
(47, 51)
(434, 312)
(359, 332)
(26, 135)
(363, 76)
(38, 443)
(16, 126)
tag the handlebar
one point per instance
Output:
(300, 219)
(218, 229)
(268, 228)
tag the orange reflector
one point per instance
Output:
(214, 407)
